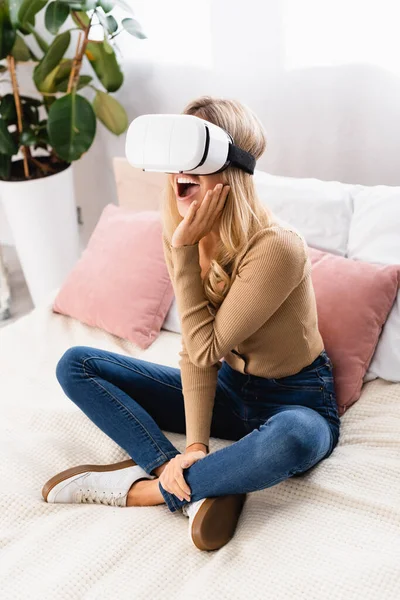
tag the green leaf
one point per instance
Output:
(27, 138)
(58, 74)
(105, 66)
(83, 81)
(107, 47)
(7, 31)
(7, 143)
(42, 139)
(48, 102)
(51, 59)
(109, 24)
(7, 109)
(61, 79)
(110, 112)
(106, 5)
(71, 126)
(64, 70)
(20, 50)
(5, 166)
(3, 69)
(83, 18)
(108, 27)
(14, 6)
(48, 85)
(80, 4)
(28, 10)
(43, 45)
(55, 16)
(112, 24)
(30, 113)
(134, 28)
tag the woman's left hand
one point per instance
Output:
(199, 221)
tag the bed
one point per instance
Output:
(333, 533)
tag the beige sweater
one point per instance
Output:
(268, 317)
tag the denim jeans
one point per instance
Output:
(280, 427)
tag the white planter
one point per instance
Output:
(42, 217)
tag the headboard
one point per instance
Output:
(137, 189)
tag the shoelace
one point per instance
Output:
(90, 497)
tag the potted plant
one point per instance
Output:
(40, 137)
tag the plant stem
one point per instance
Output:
(81, 23)
(43, 167)
(17, 99)
(74, 65)
(77, 64)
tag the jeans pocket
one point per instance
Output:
(309, 380)
(332, 411)
(328, 384)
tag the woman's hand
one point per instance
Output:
(172, 478)
(199, 221)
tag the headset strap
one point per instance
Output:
(241, 159)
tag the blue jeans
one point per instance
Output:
(281, 427)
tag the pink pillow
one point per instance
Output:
(354, 299)
(121, 282)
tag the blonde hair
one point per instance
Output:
(243, 214)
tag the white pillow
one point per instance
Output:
(320, 210)
(172, 322)
(375, 237)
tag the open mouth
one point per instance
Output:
(186, 190)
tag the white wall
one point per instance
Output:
(328, 112)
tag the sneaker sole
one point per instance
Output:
(48, 486)
(215, 522)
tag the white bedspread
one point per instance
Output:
(333, 533)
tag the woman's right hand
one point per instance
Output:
(172, 479)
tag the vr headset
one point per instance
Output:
(183, 144)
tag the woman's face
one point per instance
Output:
(195, 188)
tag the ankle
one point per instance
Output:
(158, 470)
(144, 493)
(135, 493)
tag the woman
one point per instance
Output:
(253, 368)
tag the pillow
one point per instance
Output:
(172, 322)
(375, 237)
(354, 299)
(121, 282)
(320, 210)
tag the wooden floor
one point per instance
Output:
(21, 299)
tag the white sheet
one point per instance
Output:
(332, 533)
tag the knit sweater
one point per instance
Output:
(267, 324)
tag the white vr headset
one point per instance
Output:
(183, 144)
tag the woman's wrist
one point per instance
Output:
(197, 446)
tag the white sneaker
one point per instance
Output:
(190, 509)
(212, 521)
(94, 484)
